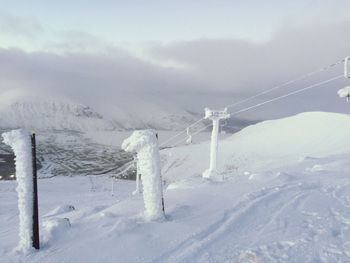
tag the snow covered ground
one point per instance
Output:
(286, 198)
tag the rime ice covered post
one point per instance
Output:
(215, 116)
(345, 92)
(20, 142)
(145, 144)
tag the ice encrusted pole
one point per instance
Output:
(215, 116)
(145, 144)
(20, 142)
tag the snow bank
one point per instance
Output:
(145, 143)
(20, 142)
(54, 227)
(314, 134)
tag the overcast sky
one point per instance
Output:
(220, 50)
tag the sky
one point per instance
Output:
(213, 51)
(38, 25)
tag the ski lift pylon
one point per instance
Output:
(345, 92)
(347, 67)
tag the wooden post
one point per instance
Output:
(35, 237)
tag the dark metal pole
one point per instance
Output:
(161, 178)
(35, 237)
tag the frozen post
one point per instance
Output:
(23, 146)
(145, 144)
(345, 92)
(215, 116)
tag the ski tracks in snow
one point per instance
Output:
(253, 215)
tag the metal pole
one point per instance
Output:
(214, 145)
(215, 116)
(161, 179)
(35, 237)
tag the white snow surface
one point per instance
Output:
(20, 142)
(54, 227)
(145, 143)
(285, 198)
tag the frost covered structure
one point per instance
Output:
(215, 116)
(19, 141)
(344, 93)
(145, 144)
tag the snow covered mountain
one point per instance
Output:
(62, 126)
(52, 115)
(69, 153)
(69, 133)
(57, 112)
(86, 113)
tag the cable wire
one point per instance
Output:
(285, 84)
(287, 95)
(256, 96)
(269, 101)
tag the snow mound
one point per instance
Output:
(55, 227)
(311, 133)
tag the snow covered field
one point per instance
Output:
(286, 198)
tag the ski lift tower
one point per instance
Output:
(345, 92)
(215, 116)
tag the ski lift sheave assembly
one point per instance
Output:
(345, 92)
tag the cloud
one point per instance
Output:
(240, 66)
(19, 26)
(75, 41)
(218, 71)
(92, 78)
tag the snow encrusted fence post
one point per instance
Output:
(145, 144)
(23, 146)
